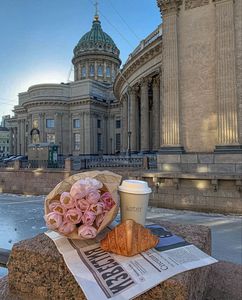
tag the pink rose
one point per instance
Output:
(59, 209)
(106, 198)
(87, 232)
(66, 200)
(52, 205)
(73, 215)
(53, 220)
(99, 219)
(97, 208)
(66, 227)
(88, 217)
(91, 183)
(83, 204)
(78, 191)
(93, 197)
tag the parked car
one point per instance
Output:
(20, 157)
(6, 160)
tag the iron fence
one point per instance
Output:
(117, 162)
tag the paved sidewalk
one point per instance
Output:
(21, 217)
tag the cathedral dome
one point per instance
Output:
(96, 40)
(96, 56)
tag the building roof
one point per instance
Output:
(96, 40)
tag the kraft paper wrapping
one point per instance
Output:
(110, 181)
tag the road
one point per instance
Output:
(21, 217)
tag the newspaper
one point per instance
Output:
(103, 275)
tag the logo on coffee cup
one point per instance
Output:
(134, 209)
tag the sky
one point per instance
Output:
(38, 38)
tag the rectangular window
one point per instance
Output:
(99, 142)
(50, 123)
(118, 141)
(77, 141)
(118, 123)
(98, 123)
(50, 138)
(76, 123)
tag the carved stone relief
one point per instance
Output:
(189, 4)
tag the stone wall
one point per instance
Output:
(33, 182)
(198, 191)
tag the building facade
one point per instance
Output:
(81, 117)
(180, 91)
(4, 142)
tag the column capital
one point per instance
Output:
(144, 82)
(156, 81)
(169, 6)
(132, 90)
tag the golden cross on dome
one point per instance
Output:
(96, 17)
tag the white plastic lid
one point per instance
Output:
(134, 187)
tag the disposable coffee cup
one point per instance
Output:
(134, 198)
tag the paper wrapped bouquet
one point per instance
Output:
(82, 205)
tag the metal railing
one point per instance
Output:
(117, 162)
(43, 164)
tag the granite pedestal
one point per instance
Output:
(37, 271)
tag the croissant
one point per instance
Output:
(129, 238)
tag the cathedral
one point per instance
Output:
(81, 117)
(179, 92)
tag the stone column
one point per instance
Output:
(95, 117)
(15, 140)
(156, 114)
(87, 128)
(87, 69)
(144, 128)
(57, 128)
(238, 45)
(226, 77)
(104, 70)
(124, 124)
(22, 150)
(11, 140)
(133, 119)
(70, 135)
(95, 70)
(41, 127)
(78, 71)
(170, 107)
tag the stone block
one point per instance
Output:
(37, 270)
(227, 158)
(238, 168)
(169, 167)
(205, 158)
(222, 168)
(224, 282)
(189, 158)
(194, 168)
(168, 158)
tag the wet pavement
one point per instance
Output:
(21, 217)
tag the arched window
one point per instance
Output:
(83, 72)
(91, 70)
(108, 72)
(100, 70)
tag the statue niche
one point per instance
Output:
(35, 136)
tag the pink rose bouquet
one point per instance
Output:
(80, 211)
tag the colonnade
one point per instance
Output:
(141, 116)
